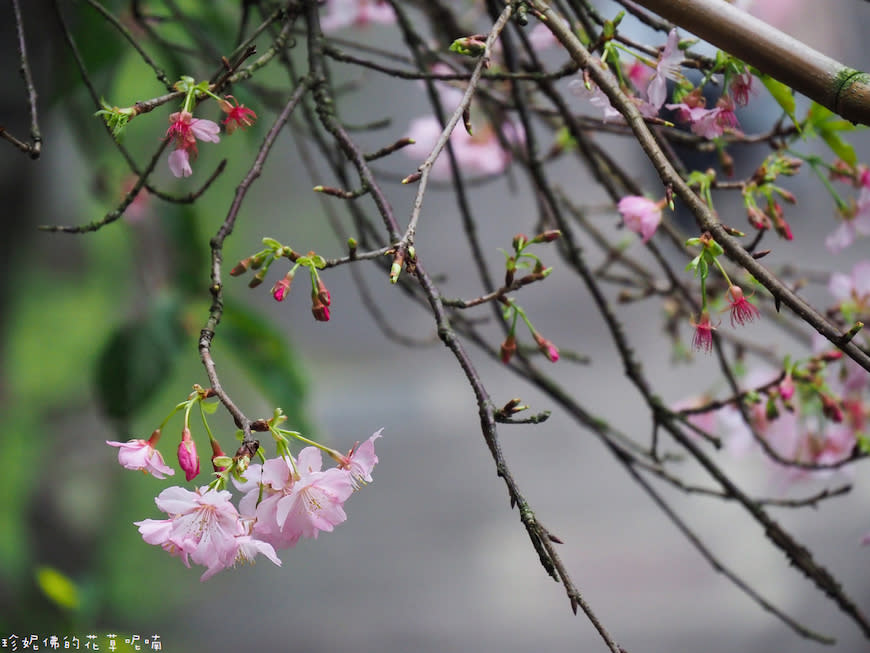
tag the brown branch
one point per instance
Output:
(841, 89)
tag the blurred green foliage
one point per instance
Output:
(102, 345)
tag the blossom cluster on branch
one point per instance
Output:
(524, 95)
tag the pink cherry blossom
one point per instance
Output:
(185, 130)
(356, 13)
(852, 289)
(179, 163)
(742, 86)
(708, 123)
(703, 338)
(238, 115)
(481, 153)
(640, 214)
(855, 223)
(668, 67)
(795, 433)
(315, 501)
(597, 99)
(742, 311)
(361, 461)
(141, 454)
(299, 500)
(640, 74)
(705, 421)
(203, 527)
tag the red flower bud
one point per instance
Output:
(508, 349)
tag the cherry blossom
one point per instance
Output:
(742, 311)
(641, 215)
(291, 499)
(668, 67)
(742, 86)
(185, 130)
(238, 115)
(361, 460)
(203, 527)
(852, 290)
(481, 153)
(703, 339)
(856, 222)
(821, 433)
(315, 501)
(141, 454)
(708, 123)
(356, 13)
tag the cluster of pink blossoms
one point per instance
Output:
(816, 413)
(652, 93)
(285, 499)
(813, 428)
(186, 130)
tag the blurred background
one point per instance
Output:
(99, 342)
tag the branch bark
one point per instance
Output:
(841, 89)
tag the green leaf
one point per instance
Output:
(266, 354)
(782, 94)
(841, 148)
(58, 587)
(138, 357)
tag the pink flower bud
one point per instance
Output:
(786, 387)
(547, 348)
(319, 310)
(187, 458)
(282, 287)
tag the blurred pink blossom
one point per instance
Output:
(481, 153)
(355, 13)
(855, 223)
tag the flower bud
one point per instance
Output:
(786, 387)
(319, 310)
(757, 218)
(547, 236)
(547, 348)
(508, 348)
(323, 293)
(241, 267)
(257, 278)
(187, 458)
(281, 288)
(831, 408)
(219, 460)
